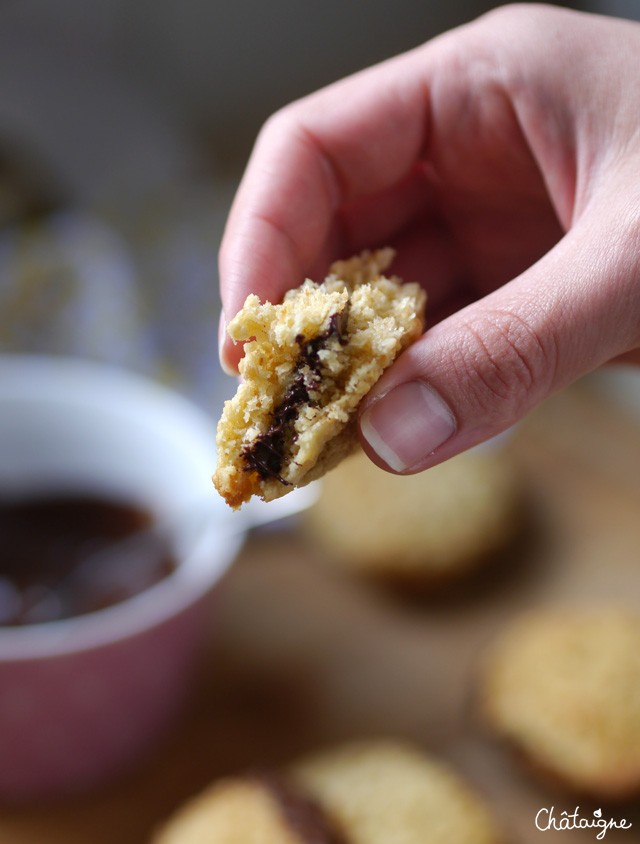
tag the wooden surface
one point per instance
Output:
(300, 657)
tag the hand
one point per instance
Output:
(502, 161)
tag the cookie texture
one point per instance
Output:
(383, 792)
(417, 530)
(564, 688)
(308, 362)
(376, 792)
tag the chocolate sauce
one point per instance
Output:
(51, 560)
(302, 814)
(267, 452)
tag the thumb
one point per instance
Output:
(481, 370)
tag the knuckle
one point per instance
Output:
(505, 363)
(283, 125)
(288, 127)
(515, 14)
(526, 31)
(276, 123)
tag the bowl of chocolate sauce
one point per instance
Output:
(68, 554)
(112, 541)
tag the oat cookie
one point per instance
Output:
(384, 792)
(251, 810)
(376, 792)
(420, 530)
(311, 361)
(563, 686)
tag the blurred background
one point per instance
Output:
(124, 127)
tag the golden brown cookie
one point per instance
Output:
(309, 364)
(563, 687)
(416, 530)
(383, 792)
(377, 792)
(254, 810)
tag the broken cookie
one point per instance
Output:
(308, 362)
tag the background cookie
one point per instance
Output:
(250, 811)
(387, 793)
(313, 359)
(564, 688)
(367, 793)
(416, 529)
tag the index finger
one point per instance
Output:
(357, 137)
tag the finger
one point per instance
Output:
(359, 136)
(404, 217)
(631, 358)
(478, 372)
(377, 218)
(426, 251)
(427, 254)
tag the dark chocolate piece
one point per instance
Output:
(303, 815)
(266, 454)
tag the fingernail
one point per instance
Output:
(407, 424)
(222, 335)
